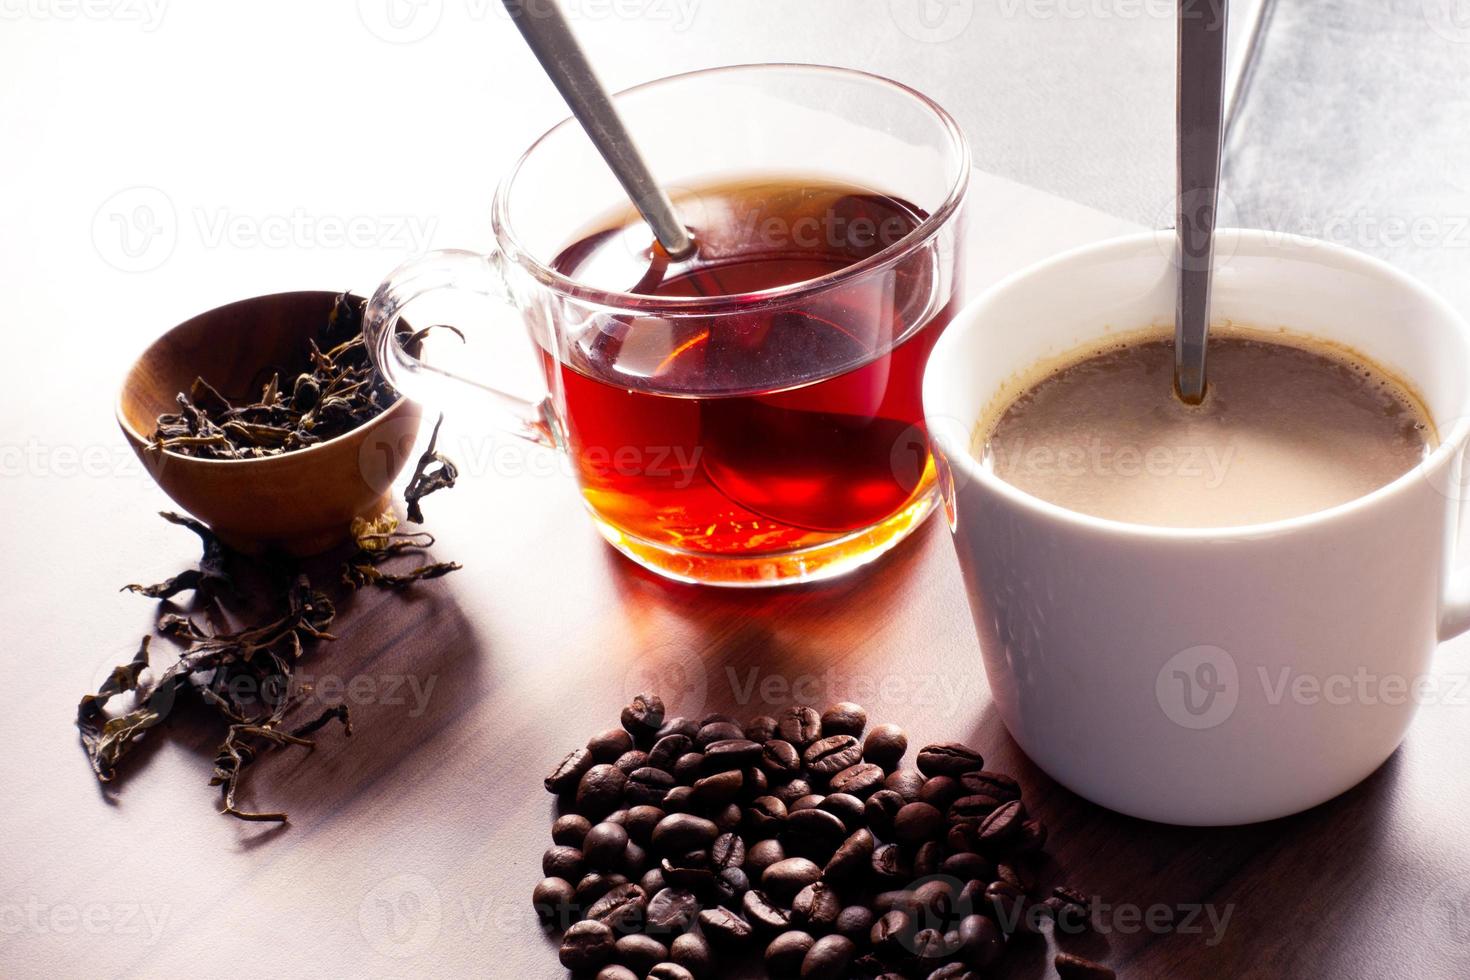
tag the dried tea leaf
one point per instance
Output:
(210, 573)
(427, 477)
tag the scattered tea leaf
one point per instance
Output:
(210, 573)
(427, 477)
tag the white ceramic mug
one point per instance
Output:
(1210, 676)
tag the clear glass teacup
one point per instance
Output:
(754, 417)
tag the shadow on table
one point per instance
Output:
(1225, 901)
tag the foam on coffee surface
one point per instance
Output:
(1285, 429)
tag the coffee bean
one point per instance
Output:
(885, 746)
(691, 870)
(854, 922)
(593, 886)
(731, 753)
(891, 865)
(641, 952)
(1013, 874)
(927, 858)
(975, 807)
(828, 958)
(629, 761)
(723, 927)
(621, 909)
(907, 783)
(616, 971)
(894, 900)
(640, 821)
(880, 809)
(669, 971)
(814, 834)
(953, 971)
(845, 807)
(679, 832)
(587, 945)
(861, 780)
(761, 855)
(853, 858)
(981, 942)
(800, 725)
(987, 783)
(644, 716)
(728, 851)
(783, 879)
(816, 907)
(604, 846)
(692, 952)
(963, 835)
(780, 759)
(689, 766)
(844, 718)
(765, 816)
(562, 862)
(934, 900)
(678, 725)
(949, 759)
(718, 731)
(762, 913)
(731, 884)
(713, 792)
(671, 910)
(761, 728)
(811, 801)
(756, 781)
(792, 791)
(667, 750)
(785, 953)
(608, 745)
(554, 900)
(940, 791)
(729, 818)
(1070, 967)
(678, 800)
(600, 790)
(635, 860)
(892, 932)
(1003, 825)
(930, 944)
(831, 754)
(1006, 904)
(653, 881)
(569, 771)
(966, 866)
(1032, 837)
(917, 822)
(718, 717)
(570, 829)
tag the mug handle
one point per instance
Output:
(1454, 607)
(460, 271)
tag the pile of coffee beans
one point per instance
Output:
(685, 847)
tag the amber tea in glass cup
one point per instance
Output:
(750, 415)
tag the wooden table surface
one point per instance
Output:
(414, 844)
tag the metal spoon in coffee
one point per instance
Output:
(551, 41)
(1201, 123)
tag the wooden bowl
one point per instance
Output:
(300, 502)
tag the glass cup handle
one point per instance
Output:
(464, 272)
